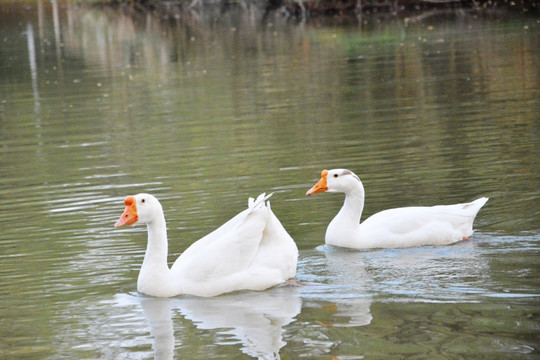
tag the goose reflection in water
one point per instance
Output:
(338, 283)
(158, 314)
(338, 277)
(256, 319)
(349, 273)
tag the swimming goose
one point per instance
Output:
(252, 251)
(400, 227)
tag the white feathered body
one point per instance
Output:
(399, 227)
(252, 251)
(406, 226)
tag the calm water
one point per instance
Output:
(205, 111)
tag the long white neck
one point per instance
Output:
(154, 275)
(347, 221)
(157, 248)
(352, 208)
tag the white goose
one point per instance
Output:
(401, 227)
(252, 251)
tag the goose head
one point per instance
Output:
(336, 180)
(140, 208)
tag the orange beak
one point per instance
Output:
(130, 216)
(320, 186)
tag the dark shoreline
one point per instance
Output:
(321, 8)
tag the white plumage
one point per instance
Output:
(252, 251)
(400, 227)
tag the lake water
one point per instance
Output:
(204, 111)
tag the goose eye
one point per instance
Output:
(143, 200)
(335, 175)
